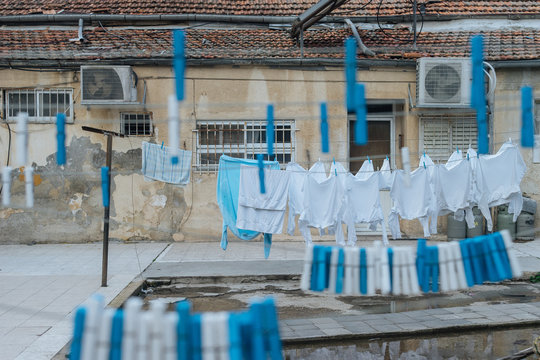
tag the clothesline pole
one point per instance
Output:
(106, 211)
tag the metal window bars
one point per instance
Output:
(441, 134)
(42, 105)
(242, 139)
(137, 124)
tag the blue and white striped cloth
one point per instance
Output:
(157, 165)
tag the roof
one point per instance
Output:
(269, 7)
(255, 44)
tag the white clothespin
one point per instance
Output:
(452, 273)
(404, 269)
(132, 313)
(405, 161)
(221, 334)
(370, 268)
(29, 186)
(385, 272)
(305, 281)
(514, 264)
(142, 347)
(333, 270)
(396, 272)
(355, 254)
(411, 268)
(458, 265)
(443, 268)
(157, 309)
(22, 139)
(174, 129)
(103, 347)
(169, 336)
(348, 276)
(91, 327)
(6, 186)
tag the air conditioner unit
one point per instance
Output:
(107, 85)
(443, 82)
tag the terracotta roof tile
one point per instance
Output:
(268, 7)
(257, 44)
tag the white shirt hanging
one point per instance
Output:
(324, 206)
(410, 202)
(386, 176)
(454, 159)
(365, 170)
(262, 212)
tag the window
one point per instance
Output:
(242, 139)
(41, 105)
(138, 124)
(441, 134)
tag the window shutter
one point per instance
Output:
(436, 139)
(464, 133)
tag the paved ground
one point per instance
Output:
(42, 284)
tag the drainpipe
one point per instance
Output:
(81, 37)
(365, 50)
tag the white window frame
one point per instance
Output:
(443, 154)
(245, 150)
(36, 118)
(123, 122)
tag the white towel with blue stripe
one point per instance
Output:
(157, 165)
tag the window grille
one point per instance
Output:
(441, 134)
(138, 124)
(40, 104)
(242, 139)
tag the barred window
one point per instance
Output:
(40, 104)
(242, 139)
(441, 134)
(138, 124)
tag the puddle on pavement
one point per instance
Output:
(474, 345)
(233, 295)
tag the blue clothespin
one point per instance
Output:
(478, 96)
(334, 160)
(270, 130)
(335, 171)
(421, 265)
(424, 165)
(272, 329)
(390, 267)
(386, 157)
(434, 267)
(76, 342)
(368, 159)
(457, 149)
(424, 153)
(503, 255)
(495, 258)
(267, 244)
(61, 138)
(324, 129)
(314, 268)
(235, 337)
(105, 186)
(467, 156)
(116, 335)
(363, 271)
(257, 336)
(360, 126)
(162, 143)
(260, 164)
(340, 271)
(183, 331)
(350, 73)
(527, 126)
(321, 268)
(179, 62)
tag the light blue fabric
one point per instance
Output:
(157, 165)
(228, 188)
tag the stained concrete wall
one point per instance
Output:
(68, 200)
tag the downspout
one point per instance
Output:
(365, 50)
(80, 34)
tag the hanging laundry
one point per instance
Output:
(337, 169)
(454, 159)
(498, 179)
(262, 212)
(296, 189)
(365, 170)
(363, 205)
(228, 186)
(410, 202)
(324, 207)
(386, 176)
(452, 188)
(426, 162)
(157, 165)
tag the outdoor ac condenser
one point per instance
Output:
(107, 85)
(443, 82)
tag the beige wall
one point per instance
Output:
(68, 201)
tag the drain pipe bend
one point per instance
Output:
(365, 50)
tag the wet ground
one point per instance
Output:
(228, 294)
(477, 345)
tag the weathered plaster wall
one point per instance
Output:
(68, 200)
(507, 121)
